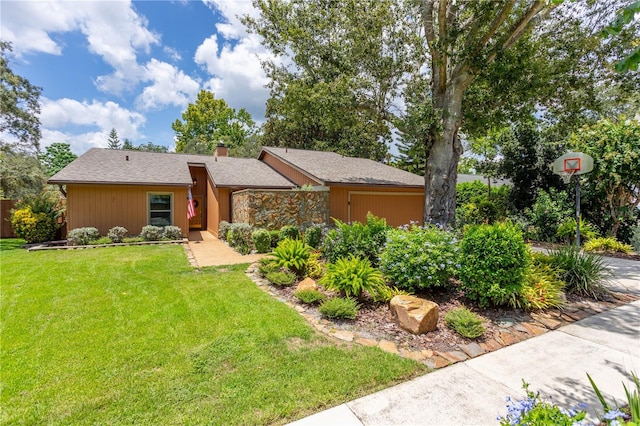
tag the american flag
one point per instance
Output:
(191, 208)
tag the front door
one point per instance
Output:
(196, 221)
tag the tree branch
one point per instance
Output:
(497, 21)
(442, 38)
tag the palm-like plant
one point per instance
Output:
(352, 276)
(292, 255)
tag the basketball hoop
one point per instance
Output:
(567, 175)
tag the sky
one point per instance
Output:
(131, 65)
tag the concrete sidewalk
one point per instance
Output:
(207, 250)
(606, 346)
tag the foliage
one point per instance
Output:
(386, 293)
(340, 308)
(314, 267)
(548, 212)
(274, 236)
(292, 255)
(475, 204)
(239, 237)
(223, 230)
(249, 149)
(129, 240)
(625, 17)
(82, 236)
(172, 233)
(117, 234)
(21, 174)
(310, 296)
(353, 276)
(464, 322)
(267, 265)
(210, 121)
(289, 231)
(417, 257)
(101, 241)
(535, 411)
(19, 106)
(261, 240)
(281, 278)
(313, 236)
(467, 191)
(607, 244)
(32, 227)
(114, 141)
(494, 260)
(567, 230)
(635, 239)
(151, 232)
(613, 416)
(614, 182)
(148, 147)
(541, 289)
(56, 156)
(584, 273)
(361, 240)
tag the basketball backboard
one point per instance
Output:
(575, 163)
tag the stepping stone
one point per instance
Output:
(472, 349)
(436, 362)
(454, 356)
(427, 353)
(508, 338)
(388, 346)
(367, 342)
(547, 321)
(347, 336)
(414, 355)
(491, 345)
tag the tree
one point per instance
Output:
(128, 145)
(625, 19)
(210, 121)
(114, 140)
(151, 147)
(21, 174)
(615, 179)
(250, 149)
(56, 157)
(19, 107)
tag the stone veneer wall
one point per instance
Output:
(272, 209)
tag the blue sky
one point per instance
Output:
(131, 65)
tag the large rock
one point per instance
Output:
(307, 284)
(414, 314)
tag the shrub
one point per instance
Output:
(33, 227)
(281, 278)
(292, 255)
(635, 238)
(101, 240)
(239, 237)
(567, 230)
(117, 234)
(466, 191)
(465, 323)
(261, 240)
(608, 244)
(340, 308)
(352, 276)
(133, 240)
(172, 233)
(223, 230)
(542, 289)
(419, 257)
(386, 293)
(289, 231)
(584, 273)
(267, 265)
(151, 233)
(82, 236)
(313, 236)
(362, 240)
(494, 261)
(274, 236)
(314, 268)
(548, 212)
(310, 297)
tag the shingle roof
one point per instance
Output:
(329, 167)
(113, 166)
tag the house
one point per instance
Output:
(107, 188)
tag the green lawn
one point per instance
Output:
(134, 335)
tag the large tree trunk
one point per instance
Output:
(441, 166)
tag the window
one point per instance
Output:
(161, 209)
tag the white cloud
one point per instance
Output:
(172, 53)
(170, 86)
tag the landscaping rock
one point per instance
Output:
(307, 284)
(414, 314)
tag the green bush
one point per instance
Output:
(340, 308)
(386, 293)
(584, 273)
(352, 276)
(310, 297)
(466, 191)
(314, 267)
(292, 255)
(274, 237)
(635, 238)
(465, 323)
(133, 240)
(223, 230)
(33, 227)
(261, 240)
(567, 231)
(172, 233)
(239, 237)
(82, 236)
(101, 240)
(542, 289)
(608, 244)
(267, 265)
(419, 257)
(548, 212)
(281, 278)
(494, 260)
(313, 236)
(362, 240)
(151, 233)
(117, 234)
(289, 231)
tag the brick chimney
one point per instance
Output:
(220, 150)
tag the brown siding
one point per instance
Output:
(5, 217)
(287, 171)
(397, 208)
(106, 206)
(218, 209)
(200, 189)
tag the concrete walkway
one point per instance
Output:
(207, 250)
(607, 346)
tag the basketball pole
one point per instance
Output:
(578, 212)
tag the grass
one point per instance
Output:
(134, 335)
